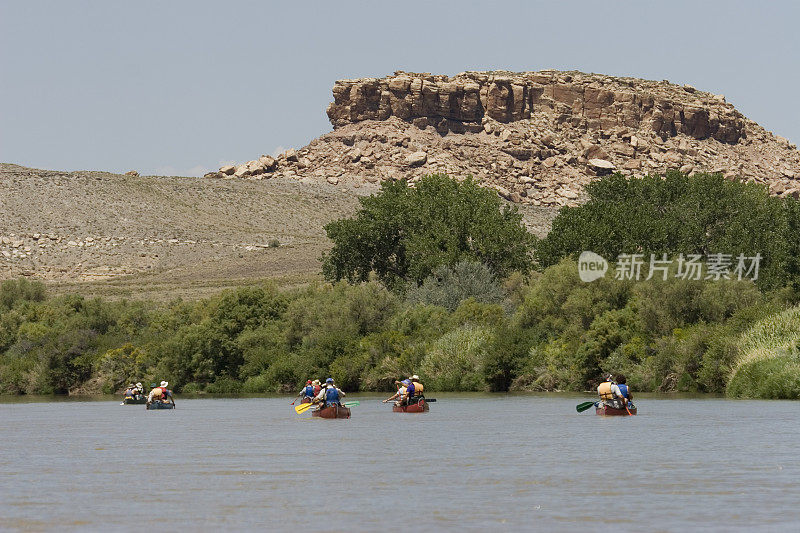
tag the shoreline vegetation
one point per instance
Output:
(420, 283)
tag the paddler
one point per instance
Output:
(414, 390)
(307, 391)
(330, 394)
(130, 392)
(161, 394)
(624, 391)
(612, 395)
(400, 394)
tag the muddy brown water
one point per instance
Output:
(474, 462)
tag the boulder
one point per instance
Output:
(416, 159)
(228, 170)
(268, 163)
(290, 155)
(602, 164)
(595, 152)
(132, 173)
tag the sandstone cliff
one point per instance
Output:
(536, 137)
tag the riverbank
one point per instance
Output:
(549, 333)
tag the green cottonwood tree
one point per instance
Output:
(701, 214)
(403, 233)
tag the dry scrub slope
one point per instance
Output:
(161, 237)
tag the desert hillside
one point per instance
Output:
(161, 237)
(536, 137)
(146, 235)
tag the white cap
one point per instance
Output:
(164, 383)
(415, 377)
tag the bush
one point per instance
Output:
(449, 286)
(677, 214)
(404, 233)
(769, 363)
(456, 361)
(13, 291)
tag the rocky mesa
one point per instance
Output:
(536, 137)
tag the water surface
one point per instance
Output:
(498, 462)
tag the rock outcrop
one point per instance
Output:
(535, 137)
(584, 101)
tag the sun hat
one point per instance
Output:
(164, 384)
(138, 385)
(406, 382)
(329, 380)
(414, 378)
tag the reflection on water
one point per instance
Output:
(473, 462)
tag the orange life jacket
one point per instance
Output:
(604, 390)
(418, 388)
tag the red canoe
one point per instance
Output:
(605, 410)
(419, 407)
(333, 411)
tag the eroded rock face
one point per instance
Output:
(585, 101)
(536, 138)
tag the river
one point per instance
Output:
(474, 462)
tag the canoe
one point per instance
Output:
(333, 411)
(136, 400)
(606, 410)
(160, 405)
(419, 407)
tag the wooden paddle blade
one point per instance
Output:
(581, 407)
(303, 407)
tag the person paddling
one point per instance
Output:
(329, 395)
(612, 395)
(400, 394)
(161, 394)
(306, 392)
(129, 393)
(414, 390)
(624, 391)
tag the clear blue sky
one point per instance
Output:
(178, 86)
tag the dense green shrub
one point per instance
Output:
(404, 233)
(677, 214)
(769, 362)
(456, 361)
(449, 286)
(20, 290)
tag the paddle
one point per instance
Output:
(303, 407)
(581, 407)
(351, 404)
(430, 400)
